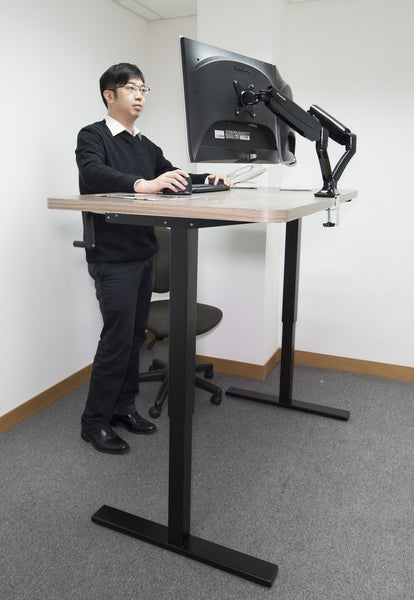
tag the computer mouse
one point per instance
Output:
(187, 190)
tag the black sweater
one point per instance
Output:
(108, 164)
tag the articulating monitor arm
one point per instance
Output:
(340, 134)
(316, 125)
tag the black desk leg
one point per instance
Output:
(289, 311)
(183, 298)
(176, 537)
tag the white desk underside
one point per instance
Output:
(263, 205)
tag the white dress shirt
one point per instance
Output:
(115, 127)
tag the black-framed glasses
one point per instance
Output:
(131, 88)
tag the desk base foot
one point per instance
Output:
(316, 409)
(240, 564)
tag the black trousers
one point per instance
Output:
(124, 293)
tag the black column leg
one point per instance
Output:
(176, 537)
(289, 310)
(183, 315)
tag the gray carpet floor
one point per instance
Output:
(330, 502)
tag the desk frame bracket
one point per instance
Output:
(289, 312)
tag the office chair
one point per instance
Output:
(159, 323)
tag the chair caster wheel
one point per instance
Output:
(154, 412)
(208, 374)
(216, 399)
(157, 365)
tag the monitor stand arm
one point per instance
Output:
(316, 125)
(329, 183)
(343, 136)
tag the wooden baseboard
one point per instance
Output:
(221, 365)
(44, 399)
(354, 365)
(241, 369)
(312, 359)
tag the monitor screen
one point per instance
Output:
(219, 128)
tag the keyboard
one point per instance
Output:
(199, 188)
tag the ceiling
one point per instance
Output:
(152, 10)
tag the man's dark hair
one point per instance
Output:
(118, 75)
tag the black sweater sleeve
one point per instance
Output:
(113, 164)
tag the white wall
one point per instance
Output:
(53, 53)
(356, 60)
(164, 111)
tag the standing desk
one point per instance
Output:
(185, 215)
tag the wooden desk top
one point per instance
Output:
(262, 205)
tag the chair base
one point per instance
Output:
(158, 371)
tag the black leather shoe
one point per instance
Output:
(105, 440)
(134, 423)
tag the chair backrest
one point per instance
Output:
(162, 261)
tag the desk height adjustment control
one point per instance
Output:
(88, 233)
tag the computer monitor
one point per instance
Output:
(219, 127)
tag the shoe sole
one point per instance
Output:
(86, 439)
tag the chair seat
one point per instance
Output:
(158, 324)
(159, 318)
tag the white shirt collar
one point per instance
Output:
(115, 127)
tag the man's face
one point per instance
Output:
(126, 103)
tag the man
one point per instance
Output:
(113, 156)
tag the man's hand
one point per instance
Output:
(173, 180)
(215, 179)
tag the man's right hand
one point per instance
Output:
(173, 180)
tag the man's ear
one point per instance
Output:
(109, 96)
